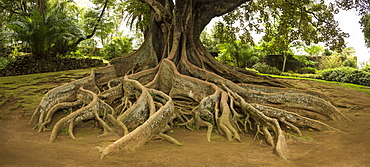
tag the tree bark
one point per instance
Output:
(173, 77)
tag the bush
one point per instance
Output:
(366, 68)
(266, 69)
(307, 70)
(22, 65)
(347, 74)
(330, 62)
(118, 47)
(5, 60)
(350, 63)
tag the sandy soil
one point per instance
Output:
(20, 145)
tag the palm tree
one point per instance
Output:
(48, 33)
(238, 53)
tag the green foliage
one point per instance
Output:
(76, 54)
(239, 54)
(307, 70)
(65, 131)
(304, 60)
(223, 33)
(5, 60)
(15, 52)
(330, 62)
(289, 22)
(350, 63)
(137, 14)
(337, 59)
(278, 45)
(47, 33)
(366, 68)
(266, 69)
(327, 52)
(119, 46)
(346, 74)
(365, 22)
(313, 50)
(209, 42)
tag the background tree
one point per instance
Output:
(363, 8)
(173, 78)
(117, 47)
(209, 42)
(314, 50)
(48, 32)
(279, 46)
(307, 21)
(137, 15)
(239, 54)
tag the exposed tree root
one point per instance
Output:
(172, 80)
(138, 111)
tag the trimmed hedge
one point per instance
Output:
(346, 74)
(307, 70)
(23, 65)
(266, 69)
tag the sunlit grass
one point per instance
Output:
(347, 85)
(26, 91)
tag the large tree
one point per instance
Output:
(173, 80)
(363, 9)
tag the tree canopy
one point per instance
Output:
(363, 8)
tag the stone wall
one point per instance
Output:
(29, 65)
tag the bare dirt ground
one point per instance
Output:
(20, 145)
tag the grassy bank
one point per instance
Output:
(23, 93)
(346, 85)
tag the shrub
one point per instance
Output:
(5, 60)
(330, 62)
(346, 74)
(22, 65)
(366, 68)
(266, 69)
(350, 63)
(307, 70)
(118, 47)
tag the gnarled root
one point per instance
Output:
(157, 121)
(140, 106)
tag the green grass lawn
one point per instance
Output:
(347, 85)
(24, 92)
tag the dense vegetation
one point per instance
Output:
(64, 29)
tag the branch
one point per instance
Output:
(158, 8)
(219, 7)
(315, 16)
(205, 10)
(95, 26)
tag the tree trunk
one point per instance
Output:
(284, 61)
(173, 77)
